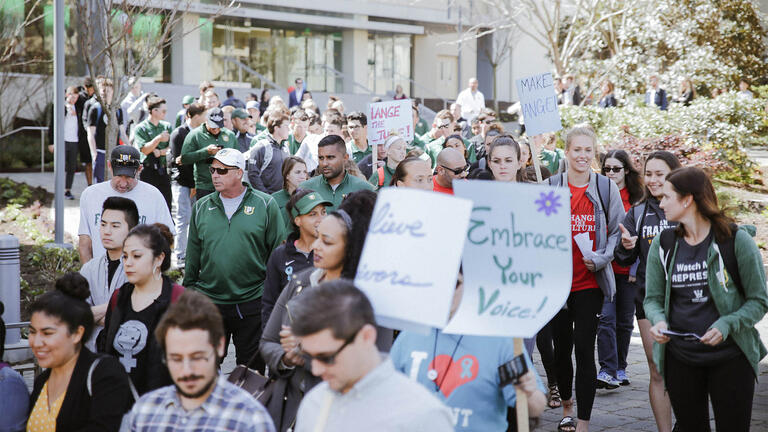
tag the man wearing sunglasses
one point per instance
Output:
(451, 165)
(299, 127)
(336, 329)
(125, 166)
(232, 233)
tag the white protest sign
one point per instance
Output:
(538, 104)
(517, 258)
(411, 257)
(387, 117)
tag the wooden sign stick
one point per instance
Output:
(536, 162)
(521, 400)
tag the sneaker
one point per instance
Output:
(606, 381)
(622, 377)
(68, 195)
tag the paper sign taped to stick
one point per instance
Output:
(387, 117)
(538, 104)
(411, 257)
(517, 258)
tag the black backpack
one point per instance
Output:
(727, 252)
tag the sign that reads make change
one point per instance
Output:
(387, 117)
(538, 104)
(517, 258)
(411, 257)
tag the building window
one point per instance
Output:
(278, 56)
(389, 62)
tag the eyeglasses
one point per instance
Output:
(220, 171)
(614, 169)
(305, 118)
(327, 359)
(195, 360)
(443, 126)
(457, 171)
(488, 122)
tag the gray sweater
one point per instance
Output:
(269, 179)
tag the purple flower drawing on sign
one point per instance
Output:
(548, 203)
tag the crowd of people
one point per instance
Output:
(271, 206)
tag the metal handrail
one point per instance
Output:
(344, 76)
(246, 68)
(42, 130)
(445, 101)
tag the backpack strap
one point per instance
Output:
(89, 379)
(604, 189)
(667, 242)
(728, 253)
(268, 151)
(113, 299)
(380, 171)
(639, 221)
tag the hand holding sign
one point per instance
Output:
(390, 116)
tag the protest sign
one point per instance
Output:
(411, 257)
(538, 104)
(387, 117)
(517, 258)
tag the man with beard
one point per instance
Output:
(335, 183)
(191, 334)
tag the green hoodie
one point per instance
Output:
(738, 315)
(193, 151)
(350, 184)
(227, 258)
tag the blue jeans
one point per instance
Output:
(615, 329)
(98, 166)
(182, 205)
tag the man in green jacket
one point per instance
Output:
(335, 183)
(152, 136)
(201, 144)
(232, 233)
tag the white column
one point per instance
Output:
(189, 65)
(354, 58)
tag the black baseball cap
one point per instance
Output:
(125, 161)
(215, 118)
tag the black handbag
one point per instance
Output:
(250, 380)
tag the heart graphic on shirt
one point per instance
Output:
(452, 374)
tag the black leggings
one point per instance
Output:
(576, 326)
(547, 351)
(730, 385)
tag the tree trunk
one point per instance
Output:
(494, 66)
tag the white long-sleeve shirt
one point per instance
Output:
(471, 103)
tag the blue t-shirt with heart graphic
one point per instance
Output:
(468, 382)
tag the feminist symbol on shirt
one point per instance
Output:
(131, 338)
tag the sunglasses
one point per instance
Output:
(457, 171)
(327, 359)
(305, 118)
(443, 126)
(220, 171)
(488, 122)
(613, 169)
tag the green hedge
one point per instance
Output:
(711, 132)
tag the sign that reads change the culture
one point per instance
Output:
(517, 258)
(387, 117)
(411, 257)
(538, 104)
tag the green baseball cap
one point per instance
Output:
(188, 100)
(240, 113)
(307, 203)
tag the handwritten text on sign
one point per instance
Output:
(387, 117)
(411, 257)
(517, 258)
(538, 104)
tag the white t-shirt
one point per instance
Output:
(308, 150)
(70, 124)
(471, 103)
(148, 199)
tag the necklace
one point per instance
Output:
(432, 373)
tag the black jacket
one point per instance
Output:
(284, 262)
(101, 411)
(608, 101)
(185, 175)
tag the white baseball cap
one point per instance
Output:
(231, 157)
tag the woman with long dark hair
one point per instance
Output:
(615, 329)
(78, 390)
(705, 291)
(340, 239)
(136, 307)
(294, 172)
(643, 222)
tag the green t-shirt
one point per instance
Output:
(421, 127)
(145, 132)
(293, 144)
(551, 159)
(350, 184)
(388, 173)
(358, 154)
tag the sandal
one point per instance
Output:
(567, 424)
(554, 400)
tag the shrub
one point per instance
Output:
(710, 132)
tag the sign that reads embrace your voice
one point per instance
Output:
(387, 117)
(411, 257)
(538, 104)
(517, 258)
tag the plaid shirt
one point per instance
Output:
(228, 408)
